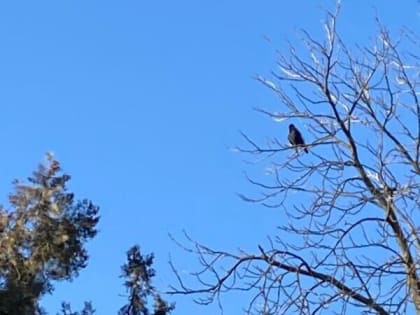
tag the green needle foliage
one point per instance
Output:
(87, 309)
(138, 274)
(42, 238)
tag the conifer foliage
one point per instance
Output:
(42, 238)
(138, 274)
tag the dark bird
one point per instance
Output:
(295, 138)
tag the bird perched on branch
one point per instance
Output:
(295, 138)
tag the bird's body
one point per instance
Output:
(295, 138)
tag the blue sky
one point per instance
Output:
(141, 101)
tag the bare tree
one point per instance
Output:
(351, 244)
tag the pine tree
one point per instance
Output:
(42, 237)
(138, 274)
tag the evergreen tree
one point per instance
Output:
(138, 274)
(42, 238)
(87, 309)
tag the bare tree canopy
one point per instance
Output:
(350, 242)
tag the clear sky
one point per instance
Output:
(141, 101)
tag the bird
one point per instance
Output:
(295, 138)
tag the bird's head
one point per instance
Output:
(291, 127)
